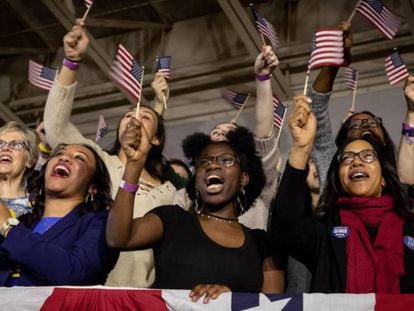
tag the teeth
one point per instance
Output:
(5, 158)
(358, 175)
(213, 180)
(61, 170)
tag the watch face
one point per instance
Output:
(13, 221)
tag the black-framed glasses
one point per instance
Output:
(14, 144)
(356, 124)
(223, 160)
(366, 155)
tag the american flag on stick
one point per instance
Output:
(102, 129)
(163, 65)
(265, 28)
(327, 48)
(127, 72)
(395, 68)
(236, 99)
(351, 77)
(41, 76)
(279, 112)
(378, 14)
(88, 3)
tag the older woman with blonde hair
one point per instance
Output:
(18, 155)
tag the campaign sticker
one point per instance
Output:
(409, 242)
(340, 232)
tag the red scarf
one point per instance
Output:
(378, 265)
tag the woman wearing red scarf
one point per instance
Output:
(362, 238)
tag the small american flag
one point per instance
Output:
(102, 129)
(351, 77)
(327, 48)
(88, 3)
(378, 14)
(279, 112)
(395, 68)
(236, 99)
(265, 28)
(127, 72)
(41, 76)
(163, 65)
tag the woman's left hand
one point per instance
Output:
(266, 61)
(209, 291)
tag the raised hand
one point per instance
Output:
(302, 123)
(75, 42)
(160, 87)
(209, 291)
(409, 93)
(266, 61)
(135, 141)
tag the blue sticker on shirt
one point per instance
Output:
(340, 232)
(409, 241)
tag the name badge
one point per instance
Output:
(409, 241)
(340, 232)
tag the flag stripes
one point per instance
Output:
(41, 76)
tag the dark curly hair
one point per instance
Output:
(342, 135)
(334, 190)
(241, 141)
(35, 187)
(155, 164)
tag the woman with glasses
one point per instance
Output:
(205, 249)
(62, 242)
(18, 155)
(362, 238)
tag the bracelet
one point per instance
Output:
(71, 64)
(131, 188)
(407, 129)
(261, 77)
(44, 149)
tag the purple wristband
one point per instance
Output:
(73, 65)
(261, 77)
(132, 188)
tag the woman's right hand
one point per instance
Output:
(302, 123)
(75, 42)
(135, 141)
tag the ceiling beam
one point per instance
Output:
(22, 51)
(250, 38)
(408, 9)
(7, 115)
(95, 51)
(30, 19)
(126, 24)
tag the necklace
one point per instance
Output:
(219, 218)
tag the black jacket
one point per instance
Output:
(311, 241)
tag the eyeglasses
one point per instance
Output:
(14, 144)
(223, 160)
(356, 124)
(366, 155)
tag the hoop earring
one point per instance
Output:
(197, 208)
(89, 198)
(241, 200)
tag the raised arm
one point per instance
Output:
(161, 91)
(406, 148)
(59, 103)
(324, 145)
(122, 230)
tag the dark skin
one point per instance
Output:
(130, 234)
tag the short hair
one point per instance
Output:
(178, 162)
(155, 164)
(101, 179)
(29, 137)
(241, 141)
(333, 190)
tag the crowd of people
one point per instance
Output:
(339, 220)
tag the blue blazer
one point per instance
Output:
(72, 252)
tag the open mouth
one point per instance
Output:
(358, 175)
(5, 159)
(214, 183)
(61, 170)
(367, 134)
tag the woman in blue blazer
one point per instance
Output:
(63, 241)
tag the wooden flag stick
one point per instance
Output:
(353, 95)
(263, 40)
(164, 100)
(86, 12)
(352, 14)
(140, 94)
(305, 89)
(241, 108)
